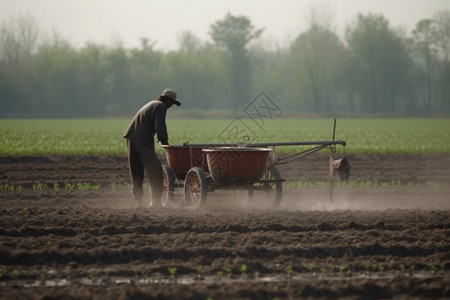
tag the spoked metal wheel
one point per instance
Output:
(168, 187)
(267, 193)
(195, 188)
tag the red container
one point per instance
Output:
(179, 159)
(237, 165)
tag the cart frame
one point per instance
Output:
(198, 182)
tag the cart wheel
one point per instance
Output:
(195, 188)
(168, 187)
(267, 195)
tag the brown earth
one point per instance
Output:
(384, 235)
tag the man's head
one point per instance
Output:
(169, 97)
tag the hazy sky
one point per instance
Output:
(106, 21)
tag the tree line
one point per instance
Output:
(373, 70)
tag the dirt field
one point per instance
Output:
(387, 235)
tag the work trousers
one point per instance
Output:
(142, 158)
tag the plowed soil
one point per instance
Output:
(69, 230)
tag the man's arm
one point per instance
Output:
(160, 125)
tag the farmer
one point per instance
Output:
(148, 121)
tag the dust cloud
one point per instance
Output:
(367, 199)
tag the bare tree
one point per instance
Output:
(442, 23)
(234, 33)
(318, 54)
(18, 41)
(382, 60)
(425, 37)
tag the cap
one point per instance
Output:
(169, 93)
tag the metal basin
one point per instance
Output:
(236, 165)
(179, 159)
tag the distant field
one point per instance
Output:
(98, 136)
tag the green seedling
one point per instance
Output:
(432, 266)
(106, 272)
(243, 269)
(435, 265)
(69, 187)
(137, 271)
(113, 187)
(366, 265)
(172, 271)
(220, 273)
(402, 267)
(199, 269)
(42, 276)
(380, 267)
(432, 184)
(289, 270)
(330, 258)
(117, 186)
(86, 186)
(39, 187)
(342, 268)
(81, 186)
(227, 271)
(322, 270)
(7, 187)
(310, 268)
(275, 287)
(14, 273)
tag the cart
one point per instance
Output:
(199, 169)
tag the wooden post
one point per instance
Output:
(331, 171)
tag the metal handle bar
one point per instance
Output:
(273, 144)
(291, 157)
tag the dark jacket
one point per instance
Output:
(148, 121)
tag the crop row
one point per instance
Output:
(87, 186)
(244, 270)
(46, 137)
